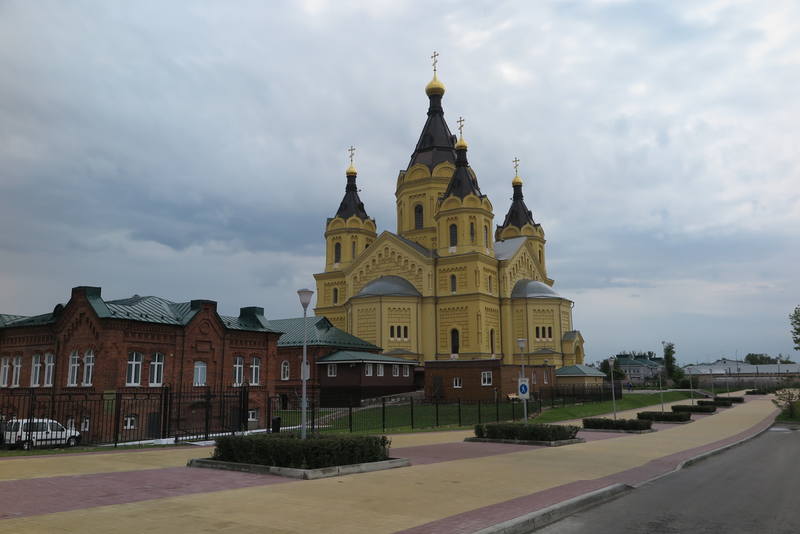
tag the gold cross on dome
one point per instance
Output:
(460, 122)
(435, 59)
(352, 151)
(516, 165)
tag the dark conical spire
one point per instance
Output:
(435, 143)
(351, 204)
(518, 214)
(464, 180)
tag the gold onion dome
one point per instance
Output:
(517, 180)
(351, 170)
(434, 87)
(461, 144)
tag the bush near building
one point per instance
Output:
(288, 450)
(523, 432)
(605, 423)
(694, 409)
(675, 417)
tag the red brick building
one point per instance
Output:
(484, 380)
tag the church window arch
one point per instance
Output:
(285, 370)
(453, 235)
(486, 236)
(391, 332)
(541, 256)
(353, 250)
(471, 232)
(453, 283)
(454, 341)
(335, 295)
(490, 283)
(491, 341)
(337, 253)
(419, 218)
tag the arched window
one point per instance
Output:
(238, 370)
(337, 253)
(486, 236)
(453, 283)
(284, 370)
(453, 235)
(471, 232)
(491, 340)
(200, 373)
(335, 295)
(490, 283)
(419, 218)
(391, 332)
(353, 250)
(453, 341)
(540, 256)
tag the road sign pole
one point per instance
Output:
(524, 393)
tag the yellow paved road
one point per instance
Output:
(388, 501)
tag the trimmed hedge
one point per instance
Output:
(735, 400)
(694, 409)
(617, 424)
(523, 432)
(665, 416)
(722, 402)
(288, 450)
(756, 392)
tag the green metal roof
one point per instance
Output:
(579, 370)
(8, 319)
(344, 356)
(637, 362)
(320, 331)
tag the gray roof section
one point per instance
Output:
(416, 246)
(320, 332)
(532, 289)
(636, 362)
(385, 286)
(504, 250)
(344, 356)
(579, 370)
(732, 368)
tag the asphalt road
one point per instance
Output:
(753, 488)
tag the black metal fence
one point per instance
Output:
(130, 416)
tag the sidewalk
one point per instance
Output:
(452, 486)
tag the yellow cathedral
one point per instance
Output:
(446, 285)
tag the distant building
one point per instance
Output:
(639, 370)
(579, 375)
(484, 380)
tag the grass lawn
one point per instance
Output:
(628, 402)
(74, 450)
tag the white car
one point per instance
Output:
(29, 433)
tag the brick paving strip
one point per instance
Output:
(487, 516)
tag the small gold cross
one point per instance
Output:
(516, 165)
(435, 59)
(352, 151)
(460, 122)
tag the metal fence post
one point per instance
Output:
(313, 416)
(479, 411)
(350, 417)
(459, 411)
(497, 408)
(437, 411)
(117, 411)
(207, 410)
(411, 405)
(383, 413)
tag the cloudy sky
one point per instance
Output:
(194, 149)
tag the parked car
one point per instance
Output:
(29, 433)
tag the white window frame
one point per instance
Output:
(133, 371)
(367, 369)
(252, 414)
(457, 383)
(406, 370)
(379, 370)
(85, 423)
(332, 370)
(49, 369)
(544, 377)
(395, 369)
(238, 370)
(156, 375)
(36, 370)
(285, 370)
(88, 368)
(486, 378)
(74, 368)
(5, 366)
(16, 371)
(255, 371)
(130, 421)
(200, 375)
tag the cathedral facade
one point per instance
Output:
(447, 285)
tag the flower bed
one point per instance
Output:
(694, 409)
(287, 450)
(667, 417)
(604, 423)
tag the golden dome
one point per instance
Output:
(517, 180)
(434, 87)
(461, 144)
(351, 170)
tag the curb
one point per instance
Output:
(533, 443)
(540, 518)
(303, 474)
(617, 431)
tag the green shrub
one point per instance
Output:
(665, 416)
(617, 424)
(735, 400)
(694, 409)
(716, 402)
(529, 432)
(287, 450)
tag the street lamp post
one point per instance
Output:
(691, 387)
(305, 300)
(521, 344)
(711, 375)
(661, 390)
(613, 394)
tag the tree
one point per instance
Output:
(765, 359)
(673, 371)
(794, 320)
(618, 373)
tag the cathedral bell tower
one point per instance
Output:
(519, 221)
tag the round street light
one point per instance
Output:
(305, 300)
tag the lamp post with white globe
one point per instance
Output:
(305, 300)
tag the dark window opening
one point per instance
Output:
(418, 217)
(454, 341)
